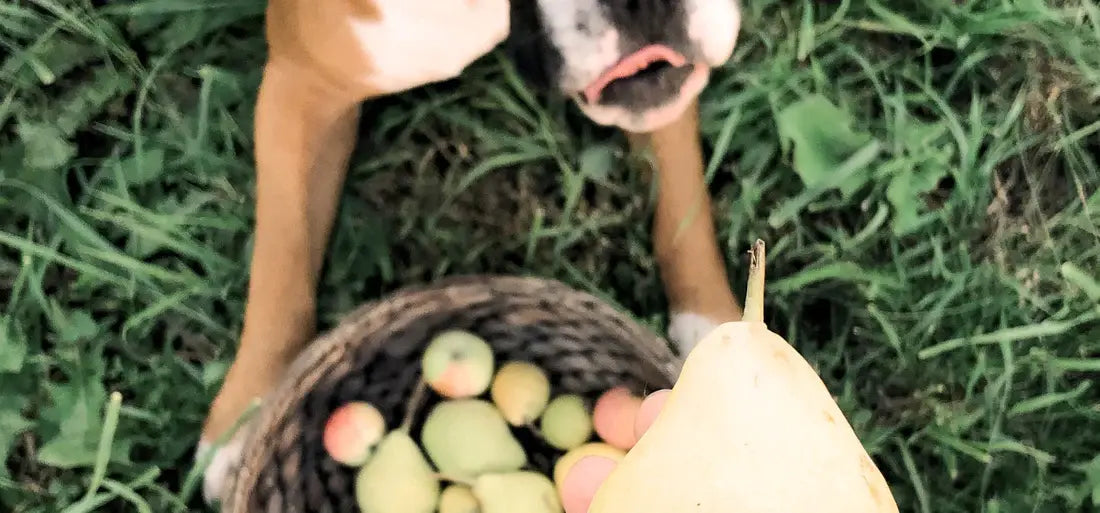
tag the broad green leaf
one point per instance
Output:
(823, 138)
(44, 147)
(76, 412)
(12, 424)
(13, 346)
(80, 451)
(1092, 479)
(78, 327)
(918, 170)
(596, 162)
(143, 169)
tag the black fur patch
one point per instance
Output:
(528, 45)
(644, 22)
(638, 22)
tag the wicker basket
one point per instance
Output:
(584, 345)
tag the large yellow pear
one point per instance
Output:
(749, 427)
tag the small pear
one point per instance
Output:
(516, 492)
(521, 391)
(750, 427)
(458, 498)
(566, 422)
(397, 479)
(458, 364)
(469, 437)
(352, 431)
(566, 462)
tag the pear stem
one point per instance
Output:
(413, 405)
(754, 297)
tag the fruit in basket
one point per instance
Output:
(565, 422)
(457, 364)
(352, 431)
(770, 434)
(458, 498)
(516, 492)
(613, 417)
(521, 391)
(648, 411)
(566, 462)
(469, 437)
(397, 479)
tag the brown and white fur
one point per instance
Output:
(326, 57)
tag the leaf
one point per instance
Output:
(918, 170)
(823, 138)
(1092, 479)
(13, 346)
(12, 424)
(81, 104)
(44, 147)
(77, 410)
(904, 192)
(78, 327)
(143, 169)
(76, 452)
(596, 162)
(74, 407)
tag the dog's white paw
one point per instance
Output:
(225, 462)
(685, 329)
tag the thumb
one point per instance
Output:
(584, 479)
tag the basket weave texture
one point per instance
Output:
(373, 355)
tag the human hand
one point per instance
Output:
(588, 474)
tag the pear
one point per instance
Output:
(457, 364)
(397, 479)
(521, 391)
(750, 427)
(566, 462)
(352, 431)
(469, 437)
(458, 498)
(566, 423)
(516, 492)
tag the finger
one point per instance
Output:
(647, 413)
(582, 481)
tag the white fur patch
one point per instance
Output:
(585, 53)
(417, 42)
(225, 462)
(685, 329)
(714, 26)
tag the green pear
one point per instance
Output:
(566, 423)
(458, 498)
(516, 492)
(750, 427)
(397, 479)
(469, 437)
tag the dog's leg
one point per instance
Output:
(305, 133)
(691, 265)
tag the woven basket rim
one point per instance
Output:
(326, 349)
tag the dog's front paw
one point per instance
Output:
(685, 329)
(222, 467)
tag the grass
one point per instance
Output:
(925, 174)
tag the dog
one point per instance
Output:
(638, 65)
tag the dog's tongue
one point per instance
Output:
(632, 64)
